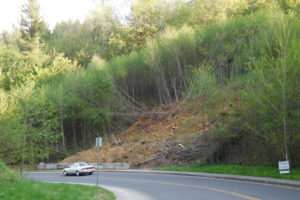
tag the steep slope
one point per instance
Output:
(163, 138)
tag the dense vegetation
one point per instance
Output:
(60, 89)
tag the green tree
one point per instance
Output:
(206, 12)
(98, 26)
(68, 38)
(289, 4)
(32, 23)
(32, 26)
(144, 24)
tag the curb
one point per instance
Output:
(253, 179)
(127, 194)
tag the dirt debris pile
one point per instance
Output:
(154, 140)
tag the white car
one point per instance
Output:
(79, 168)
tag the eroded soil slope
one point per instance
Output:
(164, 137)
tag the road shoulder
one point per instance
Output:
(127, 194)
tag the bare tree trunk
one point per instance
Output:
(180, 71)
(161, 82)
(175, 90)
(61, 119)
(203, 120)
(62, 134)
(74, 129)
(23, 154)
(164, 85)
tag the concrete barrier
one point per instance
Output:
(115, 166)
(56, 166)
(49, 166)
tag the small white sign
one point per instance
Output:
(99, 141)
(284, 167)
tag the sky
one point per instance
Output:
(53, 11)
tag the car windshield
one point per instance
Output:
(83, 164)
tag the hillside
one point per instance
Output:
(214, 83)
(162, 138)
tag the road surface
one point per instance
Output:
(174, 187)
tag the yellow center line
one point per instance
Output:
(186, 185)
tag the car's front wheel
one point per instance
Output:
(65, 173)
(77, 173)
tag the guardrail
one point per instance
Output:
(56, 166)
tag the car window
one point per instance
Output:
(74, 165)
(83, 164)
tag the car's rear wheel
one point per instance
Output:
(65, 173)
(77, 173)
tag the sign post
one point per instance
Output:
(98, 144)
(284, 167)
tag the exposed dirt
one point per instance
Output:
(157, 139)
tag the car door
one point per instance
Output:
(73, 168)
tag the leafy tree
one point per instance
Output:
(289, 4)
(68, 38)
(144, 25)
(177, 13)
(81, 41)
(32, 24)
(208, 12)
(11, 61)
(98, 26)
(275, 91)
(11, 38)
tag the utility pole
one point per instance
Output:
(284, 103)
(98, 144)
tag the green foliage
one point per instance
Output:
(288, 5)
(91, 94)
(273, 90)
(81, 41)
(230, 54)
(203, 83)
(246, 56)
(31, 21)
(98, 27)
(145, 22)
(10, 60)
(208, 12)
(177, 13)
(19, 67)
(32, 24)
(68, 38)
(7, 174)
(267, 107)
(131, 74)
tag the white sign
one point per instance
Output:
(284, 167)
(99, 141)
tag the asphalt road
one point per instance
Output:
(173, 187)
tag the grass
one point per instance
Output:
(259, 171)
(34, 190)
(15, 187)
